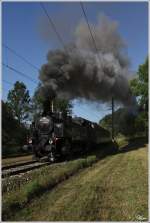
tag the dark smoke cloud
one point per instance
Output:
(79, 71)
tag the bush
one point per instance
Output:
(32, 189)
(91, 160)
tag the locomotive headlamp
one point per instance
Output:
(30, 141)
(50, 141)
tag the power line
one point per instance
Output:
(21, 57)
(86, 19)
(7, 82)
(55, 29)
(19, 72)
(53, 25)
(94, 42)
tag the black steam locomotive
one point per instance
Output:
(56, 135)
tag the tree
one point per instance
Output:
(106, 122)
(139, 85)
(124, 122)
(63, 105)
(42, 103)
(13, 133)
(19, 101)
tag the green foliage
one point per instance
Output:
(63, 105)
(139, 85)
(32, 189)
(40, 104)
(36, 105)
(14, 112)
(16, 200)
(106, 122)
(19, 101)
(13, 133)
(125, 122)
(115, 189)
(141, 122)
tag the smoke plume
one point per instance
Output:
(81, 71)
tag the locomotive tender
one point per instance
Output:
(57, 135)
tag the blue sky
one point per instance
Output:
(22, 23)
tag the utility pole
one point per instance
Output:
(112, 118)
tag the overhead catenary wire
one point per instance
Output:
(86, 19)
(20, 73)
(21, 57)
(92, 37)
(7, 82)
(53, 25)
(60, 39)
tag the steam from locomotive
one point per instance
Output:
(81, 71)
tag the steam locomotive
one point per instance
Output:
(57, 135)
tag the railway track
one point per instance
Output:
(13, 165)
(15, 169)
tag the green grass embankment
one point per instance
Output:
(15, 183)
(17, 199)
(113, 189)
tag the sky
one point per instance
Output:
(24, 25)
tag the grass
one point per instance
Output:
(14, 183)
(17, 199)
(113, 189)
